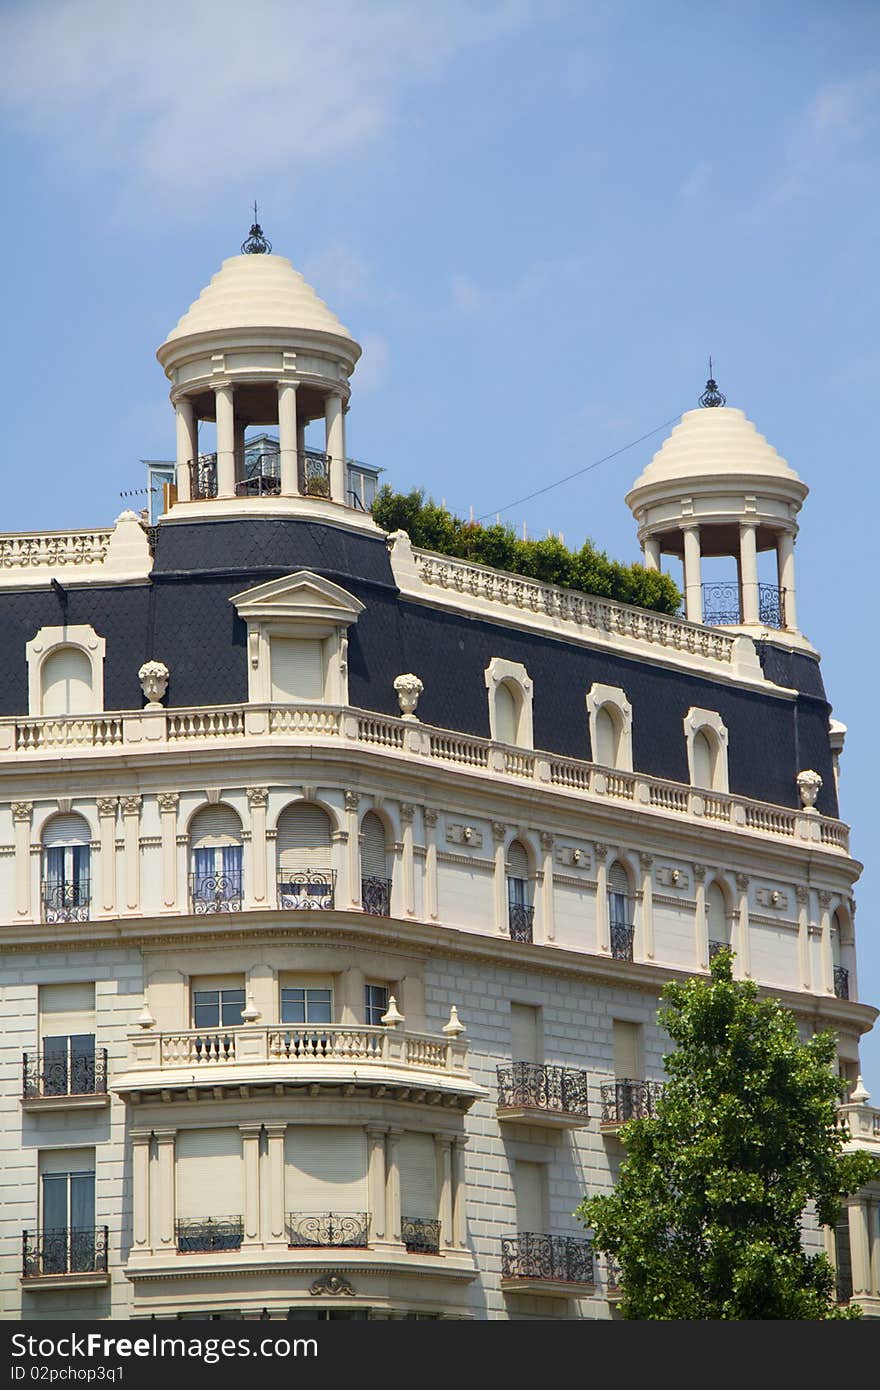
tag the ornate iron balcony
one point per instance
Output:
(532, 1086)
(261, 476)
(722, 606)
(349, 1229)
(376, 896)
(203, 477)
(314, 473)
(558, 1259)
(716, 946)
(66, 902)
(841, 982)
(629, 1100)
(215, 893)
(54, 1074)
(420, 1235)
(71, 1250)
(214, 1233)
(520, 917)
(305, 889)
(622, 934)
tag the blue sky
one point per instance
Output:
(539, 219)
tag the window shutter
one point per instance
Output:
(326, 1169)
(719, 927)
(215, 826)
(66, 682)
(524, 1033)
(517, 861)
(704, 761)
(627, 1066)
(303, 838)
(66, 830)
(66, 1010)
(606, 750)
(529, 1181)
(418, 1176)
(618, 881)
(297, 668)
(209, 1173)
(66, 1161)
(374, 856)
(505, 714)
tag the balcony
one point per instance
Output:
(420, 1235)
(350, 1231)
(542, 1264)
(209, 1235)
(72, 1257)
(841, 982)
(520, 917)
(66, 902)
(262, 476)
(314, 473)
(722, 605)
(215, 893)
(551, 1097)
(627, 1100)
(376, 896)
(715, 947)
(53, 1081)
(622, 934)
(306, 890)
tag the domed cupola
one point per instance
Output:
(258, 347)
(717, 488)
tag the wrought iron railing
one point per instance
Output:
(612, 1278)
(420, 1235)
(304, 889)
(622, 934)
(722, 605)
(629, 1100)
(72, 1250)
(314, 473)
(376, 896)
(57, 1074)
(532, 1086)
(215, 893)
(261, 475)
(203, 477)
(66, 902)
(520, 917)
(841, 982)
(716, 946)
(213, 1233)
(558, 1259)
(349, 1229)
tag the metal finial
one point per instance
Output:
(712, 396)
(256, 244)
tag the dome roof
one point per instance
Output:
(713, 442)
(257, 292)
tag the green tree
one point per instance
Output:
(705, 1219)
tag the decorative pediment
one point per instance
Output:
(302, 596)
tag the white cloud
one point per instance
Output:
(183, 99)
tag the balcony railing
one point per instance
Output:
(722, 605)
(303, 890)
(629, 1100)
(622, 934)
(376, 896)
(47, 1075)
(557, 1259)
(314, 474)
(420, 1235)
(261, 478)
(72, 1250)
(520, 917)
(213, 1233)
(841, 982)
(66, 902)
(348, 1229)
(532, 1086)
(215, 893)
(715, 947)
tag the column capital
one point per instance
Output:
(276, 1130)
(499, 831)
(742, 882)
(600, 851)
(547, 841)
(257, 796)
(250, 1129)
(646, 861)
(802, 894)
(107, 806)
(700, 872)
(825, 898)
(22, 810)
(164, 1136)
(431, 816)
(131, 805)
(168, 802)
(352, 800)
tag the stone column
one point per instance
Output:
(647, 863)
(187, 447)
(140, 1191)
(748, 568)
(21, 818)
(860, 1246)
(225, 405)
(499, 834)
(352, 802)
(131, 821)
(701, 932)
(603, 926)
(548, 922)
(250, 1155)
(107, 839)
(744, 957)
(652, 553)
(334, 422)
(785, 573)
(693, 581)
(874, 1244)
(804, 964)
(432, 901)
(258, 798)
(376, 1181)
(825, 900)
(164, 1237)
(287, 438)
(407, 815)
(459, 1194)
(443, 1143)
(168, 802)
(392, 1187)
(277, 1231)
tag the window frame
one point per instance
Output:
(707, 722)
(370, 1008)
(500, 672)
(598, 698)
(48, 640)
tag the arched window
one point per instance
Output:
(610, 716)
(705, 754)
(620, 912)
(65, 671)
(706, 737)
(305, 878)
(717, 920)
(520, 911)
(510, 702)
(216, 850)
(841, 973)
(66, 886)
(375, 867)
(66, 682)
(607, 748)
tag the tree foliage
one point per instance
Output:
(705, 1220)
(587, 569)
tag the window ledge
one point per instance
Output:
(43, 1283)
(32, 1104)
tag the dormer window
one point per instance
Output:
(510, 703)
(610, 716)
(706, 739)
(65, 671)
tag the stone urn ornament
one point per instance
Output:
(153, 677)
(408, 688)
(809, 786)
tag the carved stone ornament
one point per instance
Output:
(21, 810)
(572, 856)
(699, 872)
(431, 816)
(772, 897)
(131, 805)
(352, 801)
(546, 841)
(601, 851)
(333, 1284)
(407, 812)
(107, 805)
(499, 831)
(408, 688)
(742, 882)
(257, 796)
(670, 876)
(168, 801)
(802, 894)
(464, 835)
(153, 677)
(809, 785)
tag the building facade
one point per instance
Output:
(340, 879)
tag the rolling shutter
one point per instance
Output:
(297, 669)
(505, 715)
(374, 857)
(326, 1170)
(618, 882)
(303, 838)
(524, 1033)
(627, 1039)
(529, 1180)
(517, 861)
(66, 683)
(217, 826)
(67, 1010)
(66, 1161)
(418, 1176)
(66, 830)
(209, 1173)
